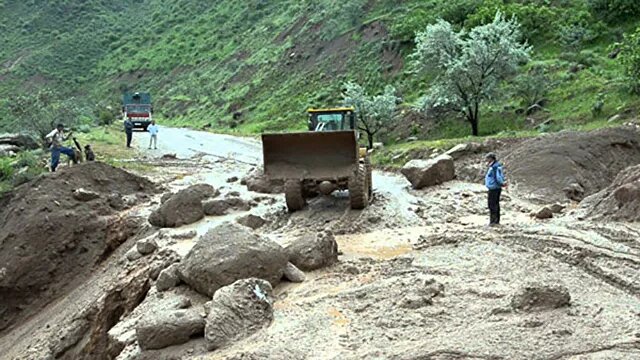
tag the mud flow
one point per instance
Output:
(418, 274)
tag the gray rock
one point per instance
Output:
(146, 246)
(165, 197)
(184, 207)
(544, 212)
(216, 207)
(238, 203)
(159, 330)
(614, 118)
(535, 296)
(237, 311)
(168, 278)
(574, 192)
(293, 274)
(258, 182)
(116, 202)
(230, 252)
(133, 254)
(185, 235)
(422, 295)
(205, 190)
(557, 208)
(85, 195)
(232, 179)
(252, 221)
(423, 173)
(313, 251)
(458, 151)
(20, 141)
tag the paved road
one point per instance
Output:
(186, 143)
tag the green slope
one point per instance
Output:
(256, 65)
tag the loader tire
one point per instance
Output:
(358, 189)
(293, 195)
(368, 168)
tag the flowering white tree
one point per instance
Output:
(469, 65)
(374, 113)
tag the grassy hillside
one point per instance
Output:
(256, 65)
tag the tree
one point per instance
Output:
(630, 58)
(39, 113)
(469, 67)
(374, 113)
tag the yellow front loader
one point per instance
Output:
(324, 159)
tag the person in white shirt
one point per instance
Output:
(153, 131)
(56, 138)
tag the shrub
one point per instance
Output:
(613, 10)
(6, 169)
(574, 36)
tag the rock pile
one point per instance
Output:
(230, 252)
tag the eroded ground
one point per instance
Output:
(420, 276)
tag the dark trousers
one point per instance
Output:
(494, 206)
(55, 155)
(129, 136)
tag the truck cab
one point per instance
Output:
(137, 108)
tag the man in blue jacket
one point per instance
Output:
(494, 180)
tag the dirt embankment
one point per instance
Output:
(620, 201)
(50, 235)
(553, 167)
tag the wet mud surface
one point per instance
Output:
(419, 274)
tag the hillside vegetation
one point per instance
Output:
(256, 65)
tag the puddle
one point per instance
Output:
(381, 244)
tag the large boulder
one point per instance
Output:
(159, 330)
(313, 251)
(237, 311)
(423, 173)
(183, 207)
(230, 252)
(258, 182)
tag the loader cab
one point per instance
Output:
(335, 119)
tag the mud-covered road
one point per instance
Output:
(419, 276)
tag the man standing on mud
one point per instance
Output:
(494, 180)
(128, 129)
(56, 138)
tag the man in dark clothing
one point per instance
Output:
(128, 129)
(495, 181)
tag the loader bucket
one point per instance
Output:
(310, 155)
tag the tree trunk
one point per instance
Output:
(473, 116)
(474, 127)
(370, 139)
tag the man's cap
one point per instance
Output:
(60, 125)
(491, 155)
